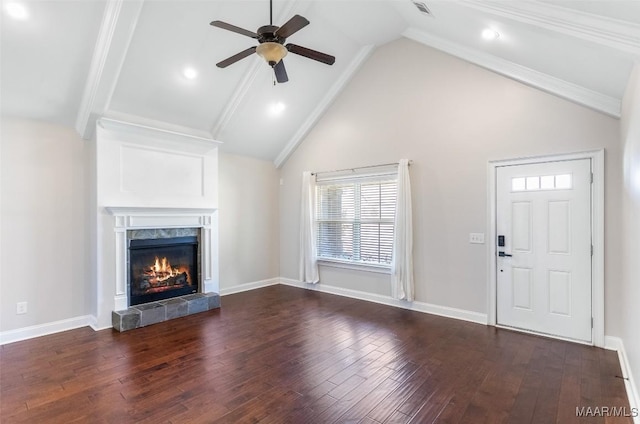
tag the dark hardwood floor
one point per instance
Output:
(287, 355)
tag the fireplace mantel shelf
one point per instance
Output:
(155, 211)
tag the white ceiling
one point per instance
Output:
(72, 61)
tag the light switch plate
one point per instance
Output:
(476, 238)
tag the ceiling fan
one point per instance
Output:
(271, 45)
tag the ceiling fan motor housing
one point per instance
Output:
(267, 33)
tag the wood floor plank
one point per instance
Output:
(287, 355)
(399, 396)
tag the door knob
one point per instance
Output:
(502, 254)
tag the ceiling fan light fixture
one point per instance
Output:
(271, 52)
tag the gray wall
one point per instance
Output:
(450, 117)
(42, 232)
(248, 220)
(628, 302)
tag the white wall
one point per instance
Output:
(628, 304)
(91, 226)
(450, 117)
(249, 218)
(42, 232)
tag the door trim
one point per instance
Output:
(597, 233)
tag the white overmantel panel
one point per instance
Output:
(150, 178)
(146, 167)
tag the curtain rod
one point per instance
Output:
(360, 167)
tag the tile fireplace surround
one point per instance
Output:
(129, 220)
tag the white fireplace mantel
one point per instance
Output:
(138, 218)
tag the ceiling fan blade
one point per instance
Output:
(234, 28)
(281, 72)
(236, 57)
(311, 54)
(292, 26)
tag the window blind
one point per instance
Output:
(355, 218)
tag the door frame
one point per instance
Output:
(597, 233)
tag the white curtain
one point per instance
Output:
(402, 258)
(308, 261)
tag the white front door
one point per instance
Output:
(544, 266)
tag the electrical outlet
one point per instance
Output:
(21, 308)
(476, 238)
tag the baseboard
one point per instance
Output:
(93, 323)
(249, 286)
(25, 333)
(428, 308)
(616, 343)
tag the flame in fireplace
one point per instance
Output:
(161, 270)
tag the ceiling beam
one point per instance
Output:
(614, 33)
(567, 90)
(324, 104)
(118, 25)
(237, 97)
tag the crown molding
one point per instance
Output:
(324, 104)
(614, 33)
(573, 92)
(139, 121)
(153, 132)
(116, 31)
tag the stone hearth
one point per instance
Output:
(163, 310)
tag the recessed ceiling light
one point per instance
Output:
(490, 34)
(190, 73)
(16, 10)
(277, 108)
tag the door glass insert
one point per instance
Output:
(533, 183)
(518, 184)
(543, 182)
(547, 182)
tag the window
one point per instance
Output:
(355, 219)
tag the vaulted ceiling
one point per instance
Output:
(73, 61)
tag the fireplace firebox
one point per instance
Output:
(162, 268)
